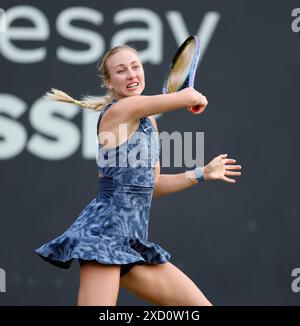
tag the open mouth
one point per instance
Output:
(133, 85)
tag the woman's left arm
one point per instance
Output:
(220, 168)
(166, 184)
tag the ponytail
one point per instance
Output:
(88, 102)
(91, 102)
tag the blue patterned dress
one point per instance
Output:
(113, 227)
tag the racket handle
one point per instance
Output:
(197, 108)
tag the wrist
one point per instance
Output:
(204, 173)
(199, 174)
(196, 175)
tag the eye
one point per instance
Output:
(120, 71)
(136, 67)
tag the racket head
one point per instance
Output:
(183, 67)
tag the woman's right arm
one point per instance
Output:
(135, 107)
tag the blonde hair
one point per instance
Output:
(91, 102)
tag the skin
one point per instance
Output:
(162, 284)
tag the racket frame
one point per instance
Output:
(190, 78)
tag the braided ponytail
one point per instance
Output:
(88, 102)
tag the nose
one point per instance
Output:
(131, 73)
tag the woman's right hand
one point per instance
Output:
(194, 98)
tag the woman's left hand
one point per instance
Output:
(220, 168)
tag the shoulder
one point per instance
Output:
(153, 121)
(120, 112)
(104, 117)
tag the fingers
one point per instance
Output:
(228, 167)
(200, 99)
(203, 100)
(229, 171)
(229, 160)
(196, 96)
(229, 180)
(233, 167)
(232, 173)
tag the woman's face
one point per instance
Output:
(126, 74)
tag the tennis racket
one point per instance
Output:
(183, 68)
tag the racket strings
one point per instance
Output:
(181, 68)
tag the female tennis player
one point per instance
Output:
(110, 236)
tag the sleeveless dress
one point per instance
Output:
(113, 227)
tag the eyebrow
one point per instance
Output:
(122, 65)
